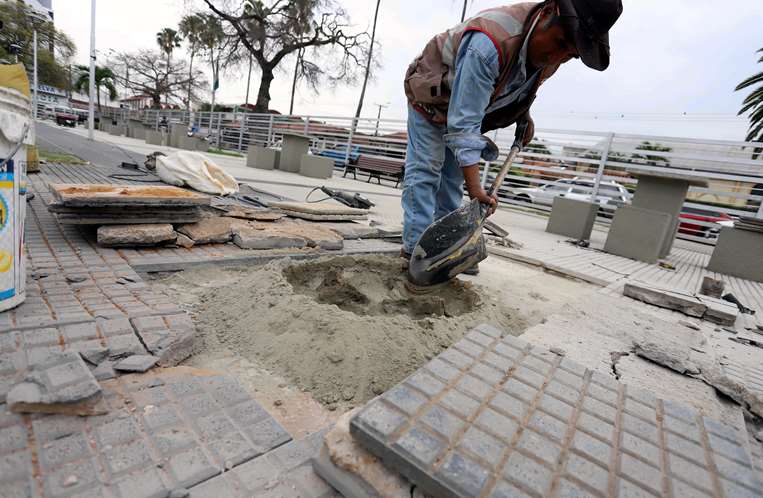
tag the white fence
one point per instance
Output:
(558, 162)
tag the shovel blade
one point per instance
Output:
(449, 246)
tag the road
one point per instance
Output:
(55, 138)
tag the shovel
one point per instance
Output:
(454, 243)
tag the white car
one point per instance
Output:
(610, 193)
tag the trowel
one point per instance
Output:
(454, 243)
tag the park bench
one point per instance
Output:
(376, 167)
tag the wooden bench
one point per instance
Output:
(377, 166)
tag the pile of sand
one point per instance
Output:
(344, 329)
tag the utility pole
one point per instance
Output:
(91, 103)
(34, 41)
(248, 81)
(378, 116)
(463, 12)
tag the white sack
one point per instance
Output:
(196, 171)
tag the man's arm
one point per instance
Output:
(477, 69)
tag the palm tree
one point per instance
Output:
(212, 38)
(168, 40)
(754, 105)
(192, 28)
(104, 78)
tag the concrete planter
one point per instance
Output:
(138, 132)
(294, 147)
(177, 133)
(156, 138)
(739, 253)
(572, 218)
(638, 233)
(117, 131)
(262, 158)
(316, 166)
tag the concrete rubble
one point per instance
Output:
(218, 230)
(61, 383)
(135, 235)
(694, 305)
(353, 471)
(260, 238)
(136, 363)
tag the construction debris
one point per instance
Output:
(675, 357)
(712, 287)
(320, 212)
(120, 205)
(61, 383)
(136, 363)
(694, 305)
(218, 230)
(355, 472)
(135, 235)
(257, 238)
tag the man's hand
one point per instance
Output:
(530, 130)
(475, 190)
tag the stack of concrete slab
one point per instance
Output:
(120, 205)
(691, 304)
(320, 212)
(494, 416)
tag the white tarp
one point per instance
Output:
(196, 171)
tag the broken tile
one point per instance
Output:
(60, 384)
(136, 363)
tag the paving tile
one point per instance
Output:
(548, 423)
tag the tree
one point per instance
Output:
(168, 40)
(368, 62)
(192, 28)
(274, 30)
(104, 78)
(215, 44)
(754, 105)
(652, 159)
(19, 23)
(151, 75)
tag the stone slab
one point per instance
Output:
(318, 208)
(285, 472)
(742, 383)
(351, 230)
(211, 230)
(135, 235)
(572, 218)
(737, 253)
(59, 383)
(252, 238)
(136, 363)
(353, 471)
(638, 233)
(83, 195)
(685, 303)
(719, 311)
(495, 416)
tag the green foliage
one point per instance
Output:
(104, 79)
(537, 147)
(754, 105)
(168, 40)
(652, 159)
(54, 51)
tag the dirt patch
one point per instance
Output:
(344, 329)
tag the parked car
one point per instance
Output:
(692, 217)
(610, 193)
(66, 117)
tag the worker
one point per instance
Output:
(480, 76)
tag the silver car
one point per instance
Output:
(610, 193)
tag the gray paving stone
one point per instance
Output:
(61, 383)
(136, 363)
(547, 423)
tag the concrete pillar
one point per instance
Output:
(666, 195)
(294, 147)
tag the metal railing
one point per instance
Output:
(576, 164)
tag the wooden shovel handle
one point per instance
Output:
(504, 170)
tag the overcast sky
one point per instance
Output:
(669, 57)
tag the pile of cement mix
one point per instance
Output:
(345, 329)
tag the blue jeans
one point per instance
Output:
(433, 185)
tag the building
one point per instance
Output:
(137, 102)
(51, 96)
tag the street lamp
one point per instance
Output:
(378, 116)
(91, 103)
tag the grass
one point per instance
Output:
(222, 152)
(58, 157)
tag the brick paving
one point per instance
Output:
(496, 417)
(160, 434)
(163, 431)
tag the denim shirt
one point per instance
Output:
(477, 70)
